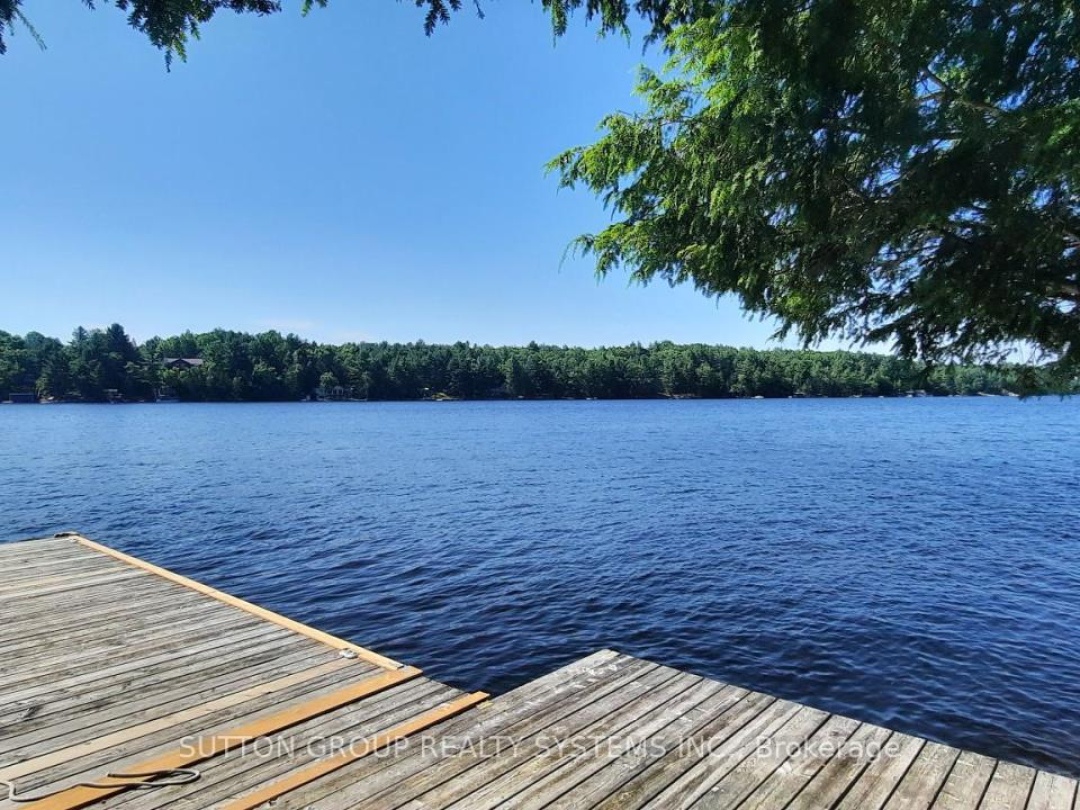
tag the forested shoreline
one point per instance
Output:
(99, 365)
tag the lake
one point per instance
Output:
(912, 562)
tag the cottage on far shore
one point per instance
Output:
(181, 363)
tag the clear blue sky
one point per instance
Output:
(340, 176)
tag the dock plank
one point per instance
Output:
(557, 768)
(68, 728)
(966, 783)
(94, 672)
(434, 788)
(238, 772)
(156, 739)
(31, 551)
(62, 580)
(785, 783)
(94, 697)
(924, 778)
(145, 722)
(33, 610)
(708, 772)
(876, 783)
(608, 781)
(468, 742)
(106, 642)
(642, 789)
(769, 755)
(1009, 787)
(58, 661)
(1052, 791)
(14, 576)
(140, 602)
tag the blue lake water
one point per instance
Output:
(914, 563)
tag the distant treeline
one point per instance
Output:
(98, 365)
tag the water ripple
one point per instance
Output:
(914, 563)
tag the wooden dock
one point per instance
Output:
(123, 685)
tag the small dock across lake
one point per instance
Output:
(123, 685)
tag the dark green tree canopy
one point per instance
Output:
(904, 172)
(169, 24)
(99, 365)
